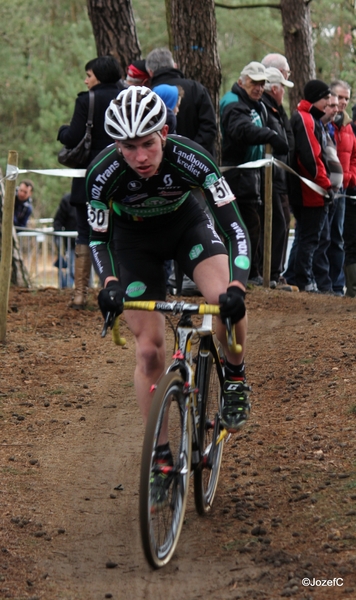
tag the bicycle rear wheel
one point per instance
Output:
(160, 529)
(209, 383)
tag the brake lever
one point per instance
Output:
(231, 337)
(109, 320)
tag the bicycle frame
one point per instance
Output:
(185, 335)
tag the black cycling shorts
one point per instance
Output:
(185, 235)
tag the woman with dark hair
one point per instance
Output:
(102, 77)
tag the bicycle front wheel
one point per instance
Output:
(169, 419)
(206, 474)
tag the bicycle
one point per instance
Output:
(191, 392)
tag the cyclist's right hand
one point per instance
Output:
(111, 299)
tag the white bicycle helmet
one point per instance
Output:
(135, 112)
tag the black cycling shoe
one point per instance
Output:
(236, 407)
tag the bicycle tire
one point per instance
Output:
(160, 530)
(209, 383)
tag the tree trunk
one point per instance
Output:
(114, 30)
(298, 43)
(193, 38)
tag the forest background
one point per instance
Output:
(45, 44)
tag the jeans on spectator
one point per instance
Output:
(321, 266)
(336, 252)
(310, 226)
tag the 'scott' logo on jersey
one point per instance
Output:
(167, 179)
(133, 186)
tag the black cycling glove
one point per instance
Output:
(232, 304)
(110, 299)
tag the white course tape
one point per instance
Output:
(12, 172)
(270, 160)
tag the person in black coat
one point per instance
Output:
(196, 118)
(102, 77)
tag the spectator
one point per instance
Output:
(23, 203)
(136, 74)
(171, 97)
(65, 220)
(102, 75)
(353, 122)
(277, 119)
(310, 208)
(323, 279)
(280, 62)
(196, 119)
(345, 140)
(243, 123)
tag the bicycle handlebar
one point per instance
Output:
(175, 308)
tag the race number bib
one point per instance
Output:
(221, 192)
(98, 218)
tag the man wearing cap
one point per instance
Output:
(310, 207)
(273, 98)
(243, 120)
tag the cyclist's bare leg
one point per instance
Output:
(212, 278)
(149, 331)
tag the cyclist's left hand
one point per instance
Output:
(110, 299)
(232, 304)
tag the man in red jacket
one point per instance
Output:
(310, 207)
(346, 150)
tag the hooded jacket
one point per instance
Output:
(309, 159)
(345, 141)
(196, 118)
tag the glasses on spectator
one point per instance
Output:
(286, 74)
(346, 98)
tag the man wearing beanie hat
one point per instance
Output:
(309, 207)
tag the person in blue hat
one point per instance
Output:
(171, 97)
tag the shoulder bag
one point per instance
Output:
(76, 157)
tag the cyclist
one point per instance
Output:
(142, 213)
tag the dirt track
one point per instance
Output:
(71, 434)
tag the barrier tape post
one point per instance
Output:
(267, 242)
(6, 243)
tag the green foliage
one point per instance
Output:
(334, 31)
(42, 56)
(44, 45)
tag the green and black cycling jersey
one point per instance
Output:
(118, 198)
